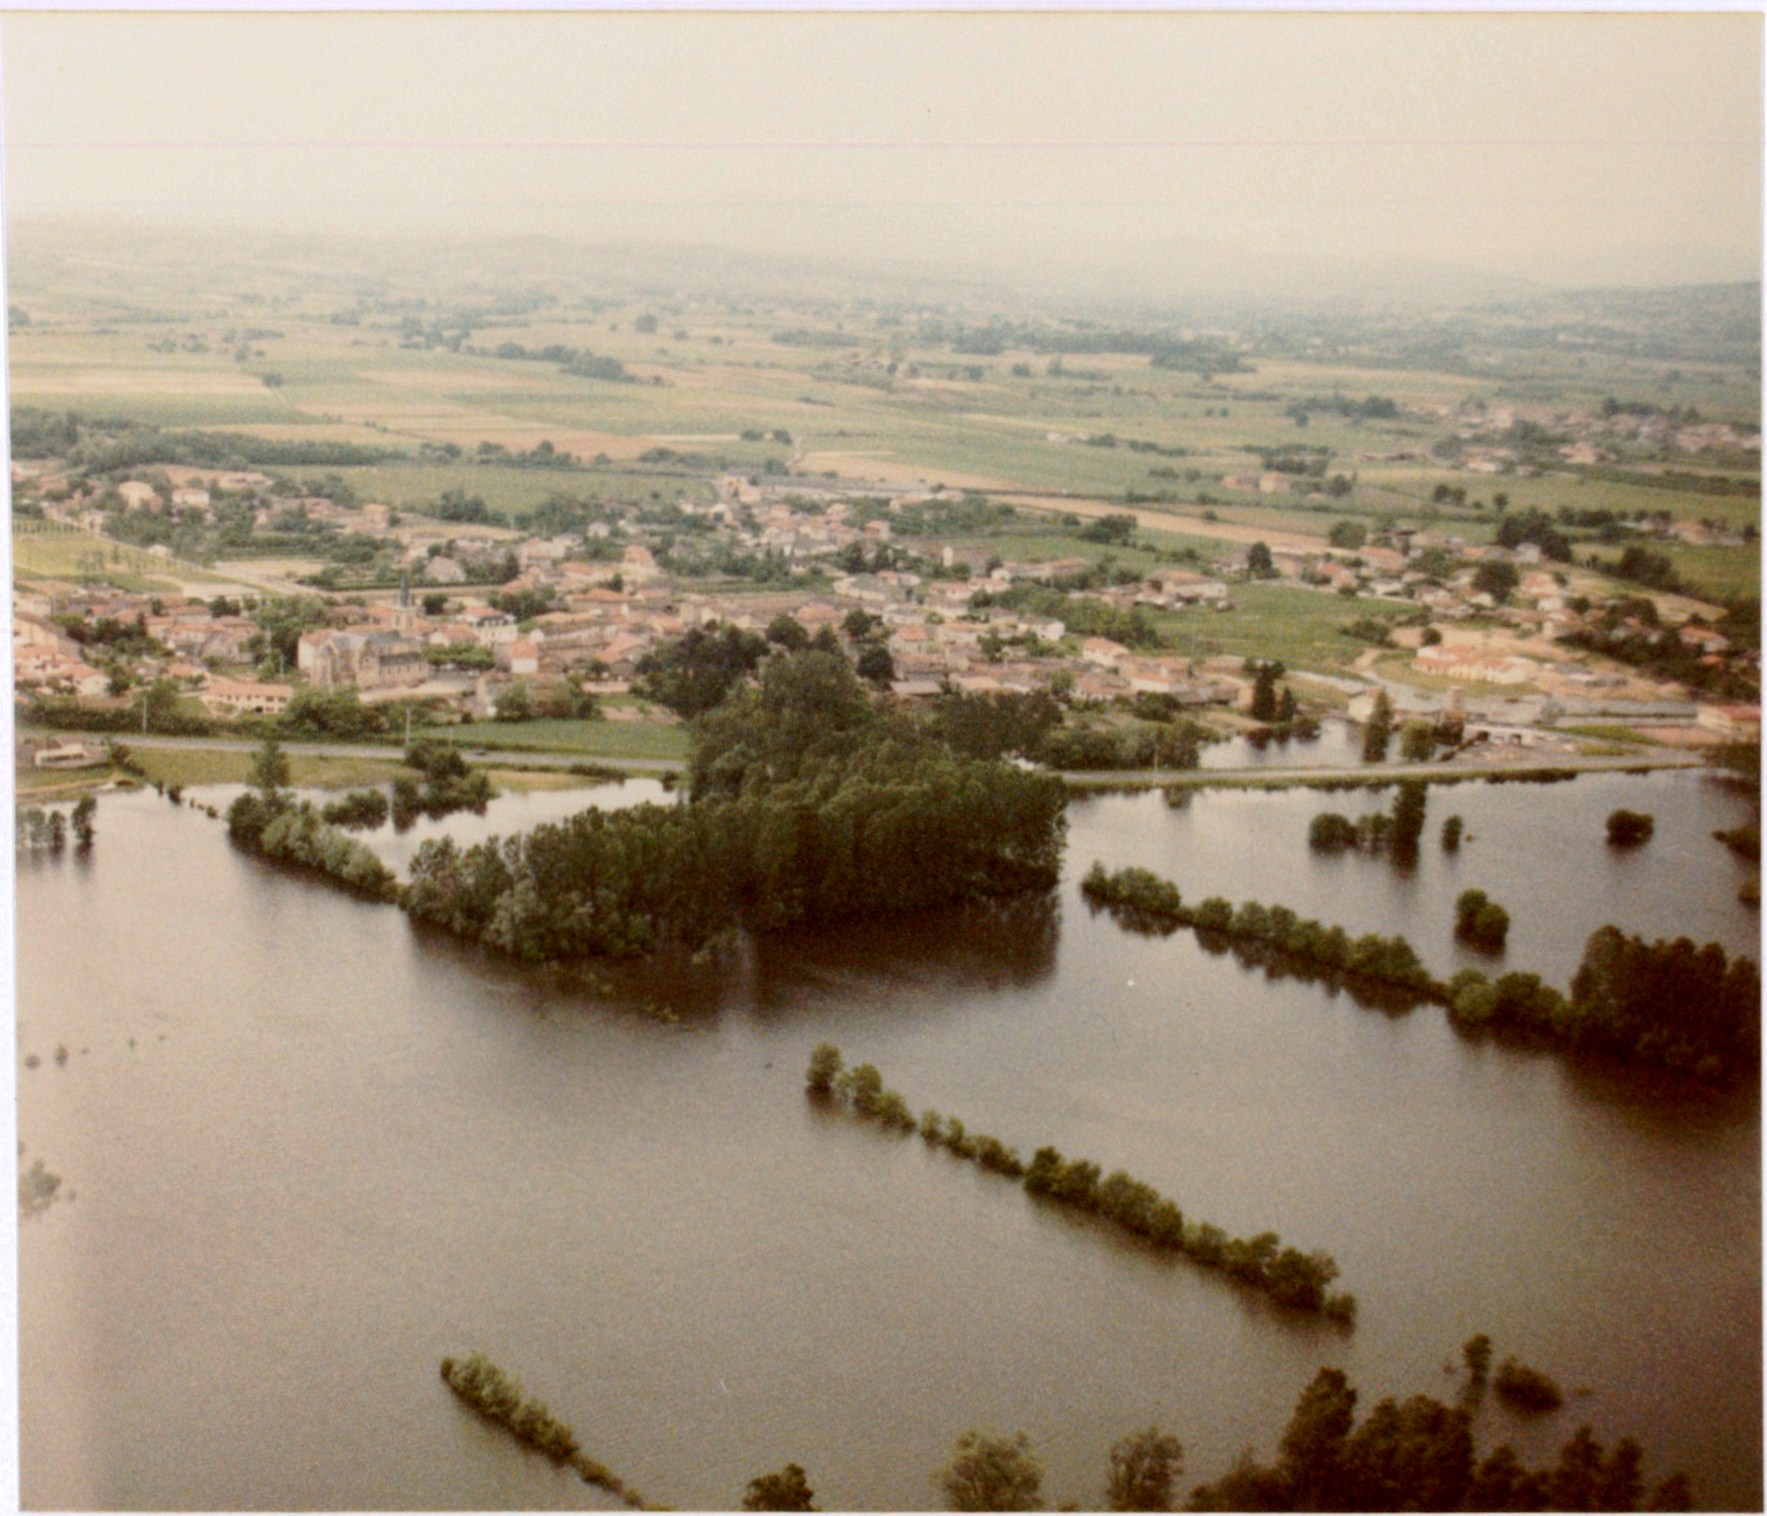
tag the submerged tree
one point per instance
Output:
(988, 1473)
(1144, 1467)
(787, 1490)
(1379, 730)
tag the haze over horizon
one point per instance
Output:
(1148, 154)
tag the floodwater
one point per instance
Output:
(307, 1150)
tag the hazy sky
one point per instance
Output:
(1528, 143)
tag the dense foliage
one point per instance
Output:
(448, 785)
(1418, 1455)
(360, 810)
(1129, 746)
(997, 725)
(1629, 828)
(275, 827)
(989, 1473)
(1291, 1278)
(809, 806)
(698, 671)
(1084, 615)
(106, 444)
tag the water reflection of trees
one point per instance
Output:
(994, 945)
(1276, 966)
(1006, 944)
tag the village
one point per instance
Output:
(486, 621)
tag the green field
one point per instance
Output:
(1302, 628)
(593, 739)
(82, 556)
(188, 766)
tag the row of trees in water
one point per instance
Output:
(502, 1400)
(809, 805)
(35, 830)
(1290, 1277)
(1412, 1455)
(1673, 1004)
(1142, 899)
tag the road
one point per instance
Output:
(495, 757)
(1269, 774)
(1385, 772)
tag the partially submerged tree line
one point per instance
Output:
(500, 1399)
(1685, 1008)
(1291, 1278)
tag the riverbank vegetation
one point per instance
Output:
(359, 810)
(447, 785)
(809, 805)
(500, 1399)
(1291, 1278)
(1688, 1009)
(268, 821)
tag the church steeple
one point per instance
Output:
(405, 618)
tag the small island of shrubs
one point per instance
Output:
(1629, 828)
(1291, 1278)
(1377, 833)
(1480, 921)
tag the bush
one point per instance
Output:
(1331, 833)
(1527, 1389)
(1629, 828)
(358, 810)
(1480, 921)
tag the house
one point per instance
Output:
(1473, 664)
(1170, 587)
(247, 697)
(637, 562)
(522, 656)
(241, 483)
(137, 496)
(1734, 723)
(443, 570)
(65, 753)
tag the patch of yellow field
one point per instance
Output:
(871, 466)
(1167, 521)
(390, 411)
(445, 379)
(120, 381)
